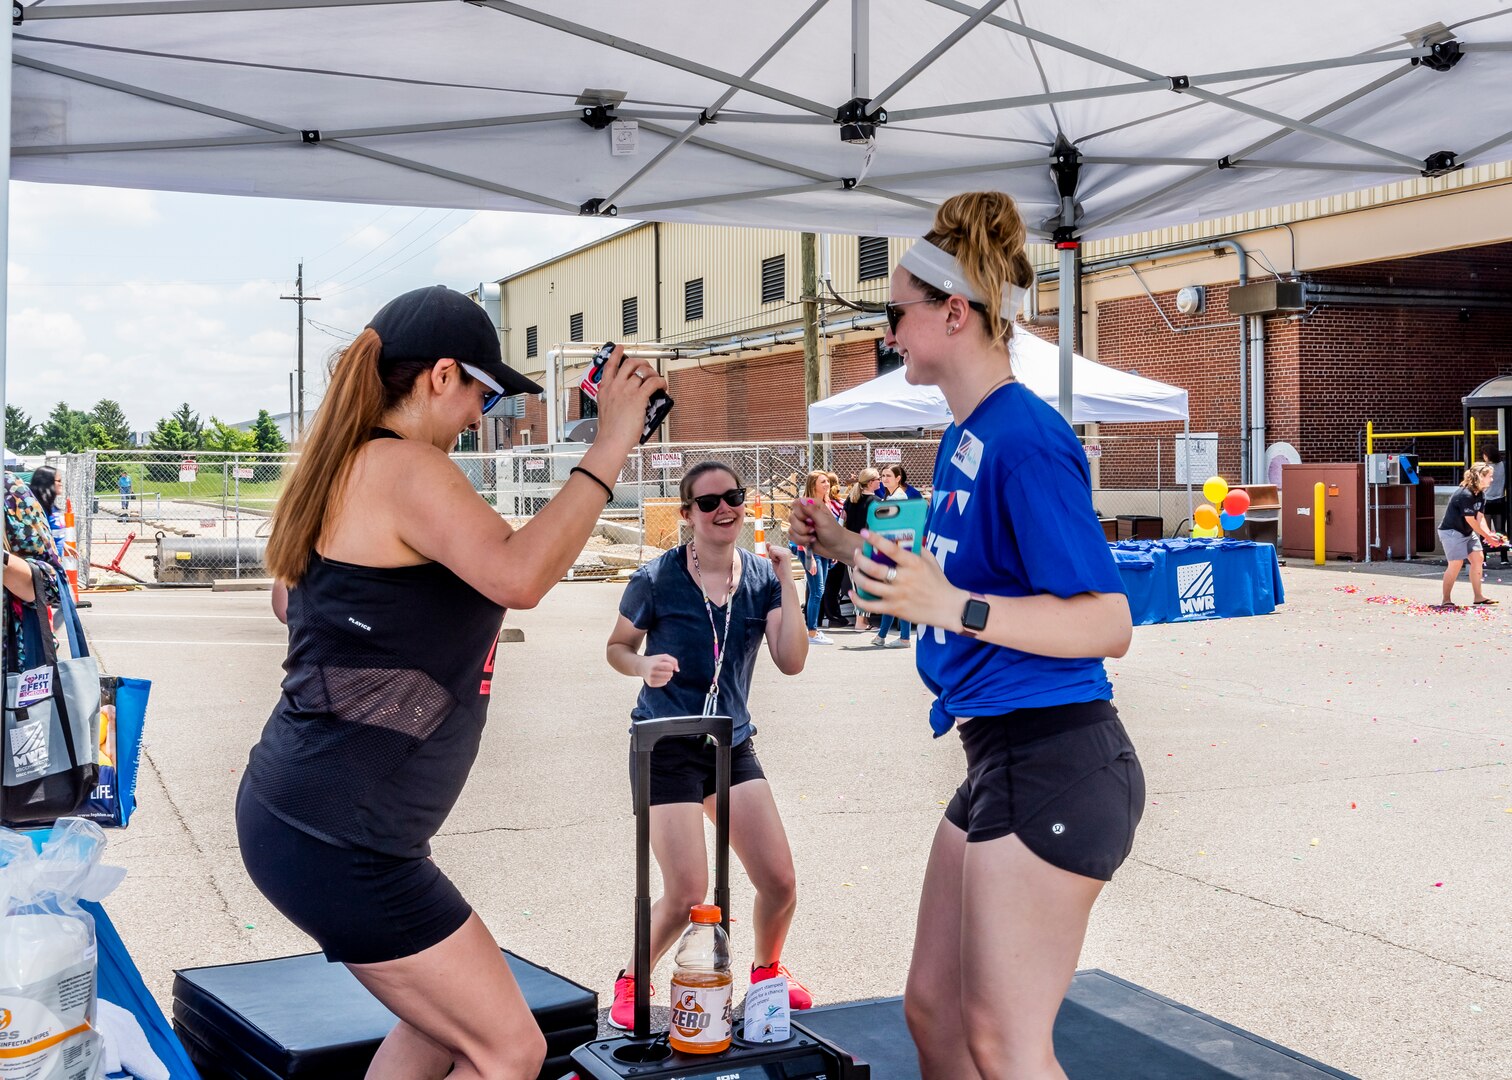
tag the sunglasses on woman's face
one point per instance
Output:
(894, 310)
(710, 503)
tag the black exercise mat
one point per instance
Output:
(1107, 1029)
(301, 1016)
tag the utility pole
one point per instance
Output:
(291, 408)
(810, 285)
(299, 298)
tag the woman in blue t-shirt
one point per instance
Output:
(702, 612)
(1017, 601)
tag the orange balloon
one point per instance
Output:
(1206, 516)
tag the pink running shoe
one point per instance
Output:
(622, 1012)
(798, 996)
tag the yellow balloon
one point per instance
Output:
(1205, 516)
(1204, 532)
(1215, 489)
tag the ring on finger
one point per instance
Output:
(892, 575)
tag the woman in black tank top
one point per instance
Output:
(393, 576)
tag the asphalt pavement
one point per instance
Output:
(1323, 859)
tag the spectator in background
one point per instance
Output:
(124, 484)
(1496, 495)
(862, 494)
(28, 542)
(817, 489)
(838, 582)
(47, 486)
(895, 481)
(1464, 530)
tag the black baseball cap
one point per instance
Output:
(434, 323)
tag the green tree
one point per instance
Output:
(20, 431)
(268, 440)
(169, 436)
(222, 436)
(267, 437)
(99, 438)
(109, 415)
(189, 424)
(66, 430)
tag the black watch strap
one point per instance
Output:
(974, 615)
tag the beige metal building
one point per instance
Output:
(1408, 306)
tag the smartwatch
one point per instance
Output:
(974, 615)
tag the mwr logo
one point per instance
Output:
(1194, 586)
(688, 1015)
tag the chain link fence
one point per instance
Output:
(193, 518)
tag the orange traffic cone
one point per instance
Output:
(70, 552)
(760, 526)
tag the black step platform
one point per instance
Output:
(302, 1016)
(1107, 1028)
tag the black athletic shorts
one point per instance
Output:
(682, 768)
(1064, 779)
(361, 907)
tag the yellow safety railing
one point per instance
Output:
(1371, 435)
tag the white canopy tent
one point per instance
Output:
(829, 115)
(1102, 395)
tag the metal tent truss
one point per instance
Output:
(855, 116)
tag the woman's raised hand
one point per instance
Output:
(625, 390)
(812, 526)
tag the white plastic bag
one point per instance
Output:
(47, 953)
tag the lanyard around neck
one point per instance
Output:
(719, 649)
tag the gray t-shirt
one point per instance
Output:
(663, 600)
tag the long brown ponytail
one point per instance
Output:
(358, 394)
(985, 233)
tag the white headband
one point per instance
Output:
(940, 269)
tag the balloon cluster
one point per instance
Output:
(1223, 512)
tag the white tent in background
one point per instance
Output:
(1101, 395)
(12, 459)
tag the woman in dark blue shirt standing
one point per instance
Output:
(1017, 601)
(702, 612)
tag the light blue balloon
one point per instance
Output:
(1230, 522)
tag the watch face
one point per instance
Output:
(974, 617)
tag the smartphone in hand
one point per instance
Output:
(656, 409)
(902, 521)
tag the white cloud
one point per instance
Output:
(153, 299)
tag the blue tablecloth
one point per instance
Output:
(1185, 580)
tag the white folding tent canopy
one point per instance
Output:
(1102, 395)
(1100, 118)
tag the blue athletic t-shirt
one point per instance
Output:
(1012, 516)
(663, 600)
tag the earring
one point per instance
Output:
(950, 329)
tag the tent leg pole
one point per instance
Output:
(1067, 287)
(6, 47)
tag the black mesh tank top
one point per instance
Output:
(386, 691)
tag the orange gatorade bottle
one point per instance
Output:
(702, 987)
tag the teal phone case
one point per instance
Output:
(902, 521)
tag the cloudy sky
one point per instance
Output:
(156, 298)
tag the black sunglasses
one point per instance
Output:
(894, 309)
(710, 503)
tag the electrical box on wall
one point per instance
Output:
(1267, 297)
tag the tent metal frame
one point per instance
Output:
(861, 118)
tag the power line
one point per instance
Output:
(331, 278)
(354, 233)
(374, 277)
